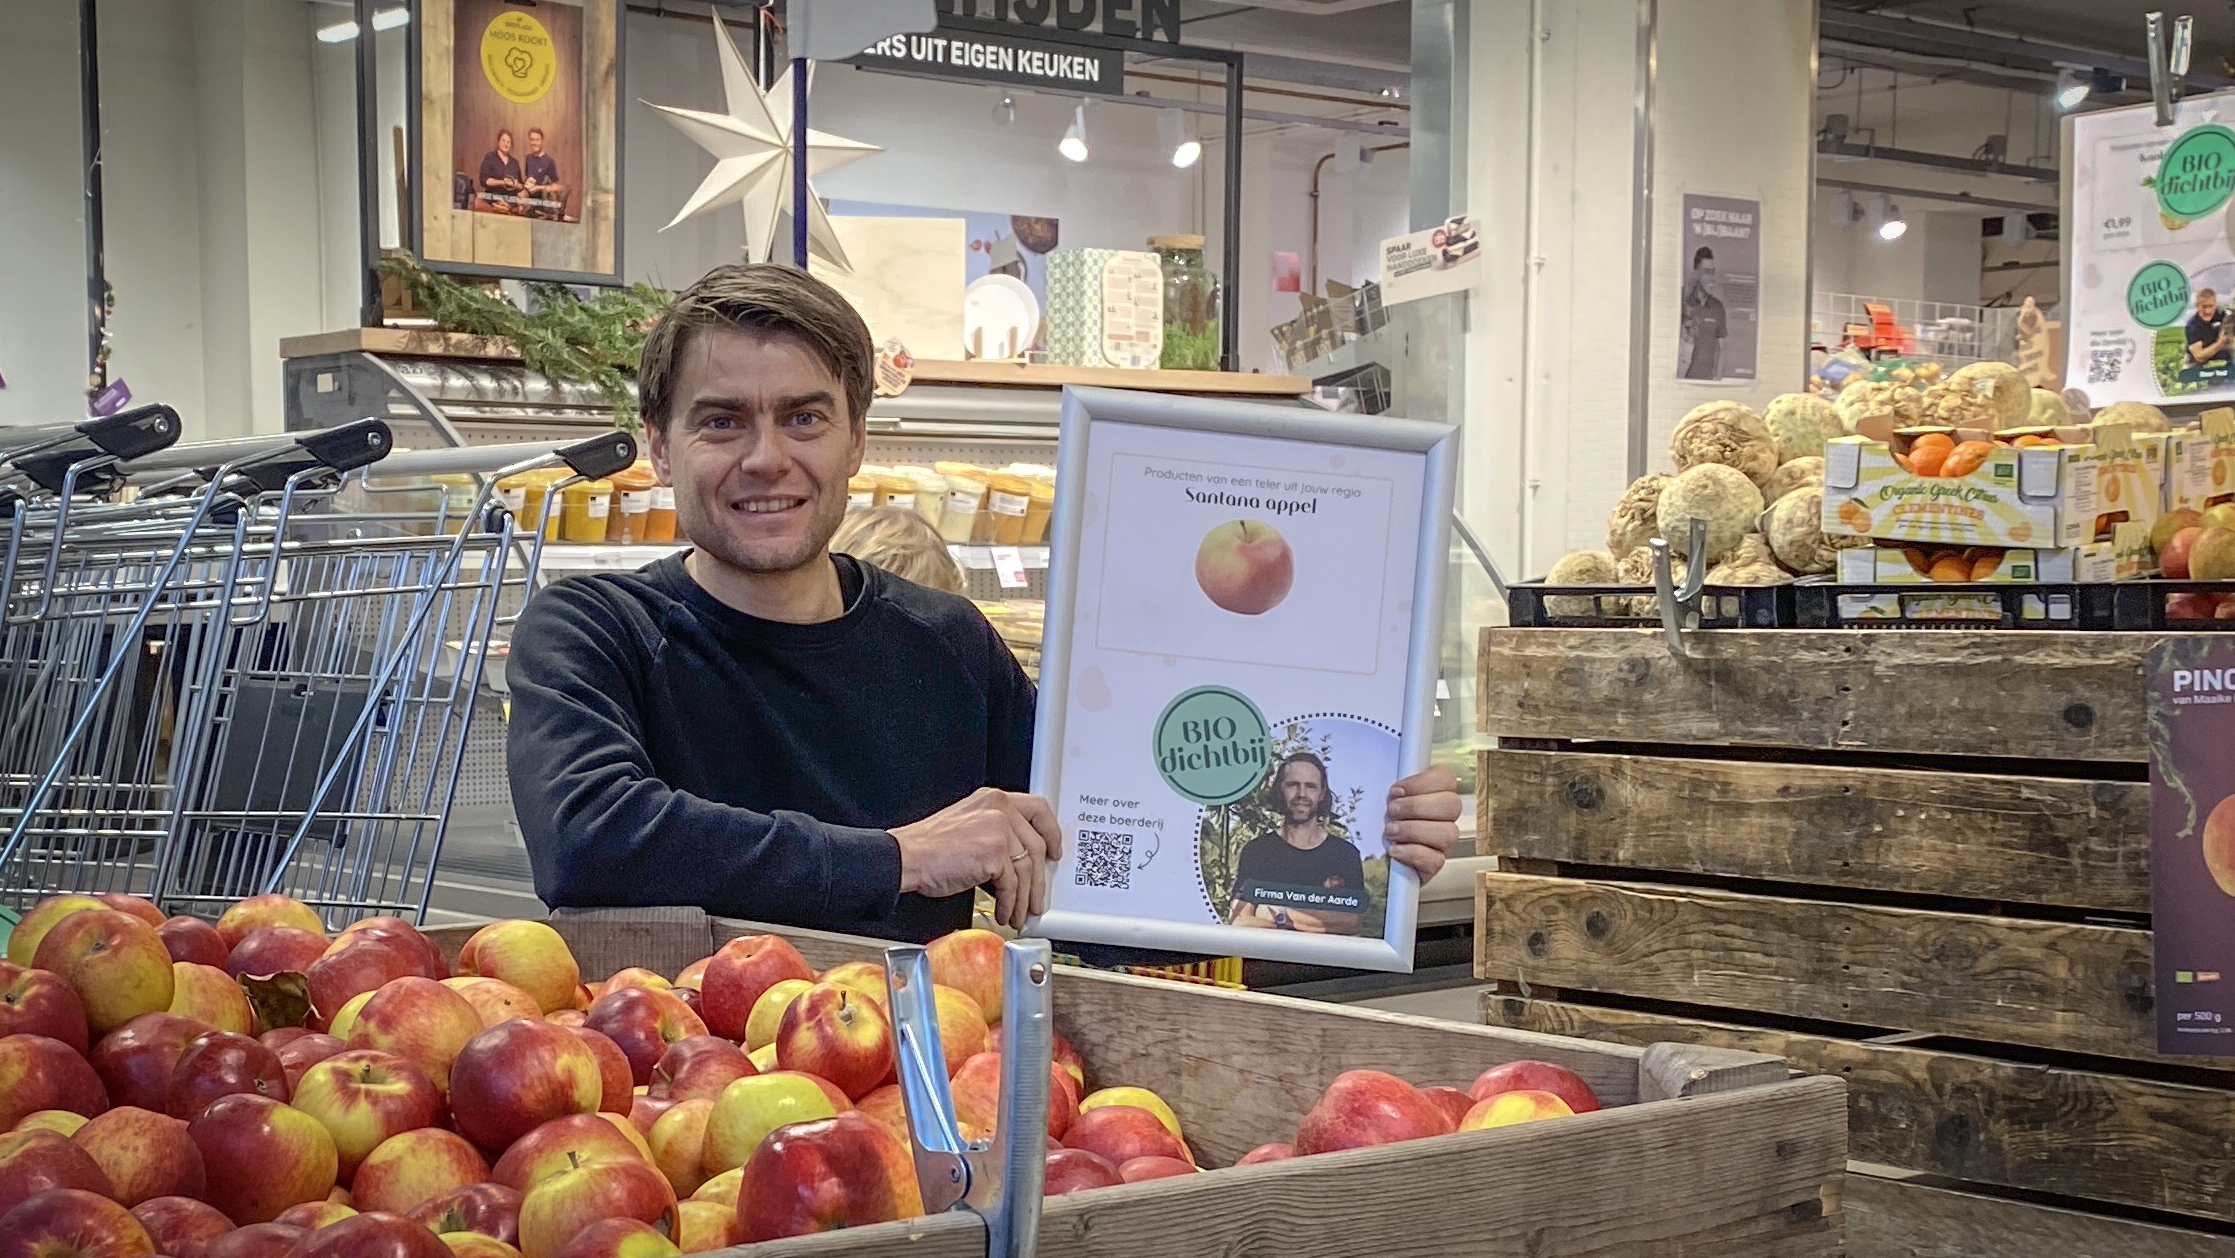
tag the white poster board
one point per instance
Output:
(1243, 621)
(2151, 230)
(1446, 258)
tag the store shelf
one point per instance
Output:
(577, 557)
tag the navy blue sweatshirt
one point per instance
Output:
(665, 748)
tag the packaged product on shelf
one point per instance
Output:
(1036, 516)
(1964, 487)
(895, 490)
(1914, 564)
(1008, 500)
(966, 498)
(1105, 308)
(861, 491)
(526, 496)
(586, 509)
(632, 489)
(931, 491)
(2201, 462)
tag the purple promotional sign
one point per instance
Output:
(2192, 842)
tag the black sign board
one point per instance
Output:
(1001, 59)
(1119, 19)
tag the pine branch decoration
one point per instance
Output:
(595, 341)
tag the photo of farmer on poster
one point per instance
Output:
(516, 136)
(1303, 853)
(1721, 292)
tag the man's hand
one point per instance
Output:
(1423, 819)
(999, 837)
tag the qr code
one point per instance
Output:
(1105, 860)
(2103, 366)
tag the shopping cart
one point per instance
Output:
(214, 683)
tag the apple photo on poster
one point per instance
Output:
(1245, 566)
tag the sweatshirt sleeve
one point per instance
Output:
(603, 830)
(1011, 702)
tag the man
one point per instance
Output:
(547, 197)
(2208, 332)
(761, 727)
(1704, 319)
(1299, 859)
(500, 173)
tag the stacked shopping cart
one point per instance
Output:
(215, 681)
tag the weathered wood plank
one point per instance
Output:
(1890, 1219)
(2079, 988)
(2035, 840)
(2165, 1146)
(2071, 696)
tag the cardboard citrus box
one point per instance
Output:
(2017, 497)
(1908, 565)
(2128, 486)
(2201, 463)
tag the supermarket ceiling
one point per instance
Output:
(1999, 31)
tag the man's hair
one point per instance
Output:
(759, 297)
(902, 543)
(1280, 771)
(2202, 293)
(535, 131)
(1702, 254)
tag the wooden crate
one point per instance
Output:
(1700, 1151)
(1914, 860)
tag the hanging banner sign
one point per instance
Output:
(1001, 59)
(1243, 627)
(2192, 842)
(1119, 19)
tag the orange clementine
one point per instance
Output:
(1950, 568)
(1928, 452)
(1985, 564)
(1966, 458)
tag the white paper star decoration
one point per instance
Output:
(752, 148)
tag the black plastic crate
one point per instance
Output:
(1953, 605)
(2144, 605)
(1720, 606)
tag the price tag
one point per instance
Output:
(1036, 557)
(1008, 562)
(975, 558)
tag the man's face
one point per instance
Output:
(1302, 789)
(535, 142)
(1705, 270)
(2207, 305)
(759, 449)
(504, 146)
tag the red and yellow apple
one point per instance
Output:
(222, 1063)
(561, 1143)
(181, 1226)
(1121, 1133)
(638, 976)
(722, 1189)
(145, 1155)
(1278, 1151)
(24, 940)
(371, 1235)
(38, 1002)
(737, 975)
(257, 1240)
(518, 1075)
(1141, 1097)
(1070, 1170)
(768, 1012)
(312, 1215)
(962, 1026)
(135, 1060)
(1367, 1107)
(699, 1066)
(419, 1020)
(865, 977)
(1542, 1076)
(345, 1021)
(192, 939)
(258, 911)
(751, 1108)
(613, 1070)
(836, 1032)
(678, 1141)
(412, 1167)
(488, 1207)
(38, 1073)
(138, 906)
(477, 1245)
(268, 1156)
(33, 1162)
(558, 1209)
(1245, 567)
(397, 930)
(208, 994)
(529, 955)
(115, 963)
(363, 1097)
(61, 1122)
(888, 1108)
(819, 1176)
(701, 1226)
(694, 975)
(351, 968)
(1451, 1101)
(300, 1053)
(71, 1223)
(1522, 1105)
(1156, 1167)
(619, 1238)
(275, 950)
(977, 1096)
(494, 999)
(644, 1022)
(1066, 1056)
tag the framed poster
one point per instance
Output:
(1244, 615)
(2150, 263)
(1719, 303)
(516, 128)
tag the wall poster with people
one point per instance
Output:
(1239, 663)
(1717, 330)
(518, 130)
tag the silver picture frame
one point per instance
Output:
(1437, 443)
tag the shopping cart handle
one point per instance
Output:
(602, 455)
(135, 433)
(347, 447)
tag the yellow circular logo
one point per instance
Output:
(516, 55)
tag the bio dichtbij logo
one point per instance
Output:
(2197, 174)
(1212, 745)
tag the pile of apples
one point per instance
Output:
(256, 1089)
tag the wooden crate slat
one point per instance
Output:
(1888, 1218)
(2074, 987)
(2067, 696)
(2164, 1146)
(2083, 843)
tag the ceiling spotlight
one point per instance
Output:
(1172, 135)
(1073, 144)
(1005, 109)
(1886, 217)
(2072, 88)
(383, 20)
